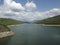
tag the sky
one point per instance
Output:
(43, 5)
(29, 10)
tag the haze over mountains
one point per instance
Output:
(27, 12)
(53, 20)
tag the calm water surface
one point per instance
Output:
(33, 34)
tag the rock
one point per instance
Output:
(6, 34)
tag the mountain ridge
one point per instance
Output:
(8, 21)
(52, 20)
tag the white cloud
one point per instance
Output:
(14, 10)
(13, 5)
(52, 12)
(30, 6)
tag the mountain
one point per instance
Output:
(52, 20)
(4, 29)
(7, 21)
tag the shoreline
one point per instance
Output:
(48, 25)
(14, 25)
(39, 24)
(6, 34)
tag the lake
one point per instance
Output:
(33, 34)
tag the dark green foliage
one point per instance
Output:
(53, 20)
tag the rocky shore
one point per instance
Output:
(5, 31)
(6, 34)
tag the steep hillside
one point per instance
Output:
(4, 28)
(53, 20)
(7, 21)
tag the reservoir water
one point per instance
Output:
(33, 34)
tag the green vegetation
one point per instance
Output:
(54, 20)
(4, 28)
(6, 21)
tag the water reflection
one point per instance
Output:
(33, 34)
(5, 41)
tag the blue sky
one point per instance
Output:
(42, 5)
(29, 11)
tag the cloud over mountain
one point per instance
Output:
(14, 10)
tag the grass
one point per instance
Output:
(7, 21)
(4, 28)
(54, 20)
(4, 22)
